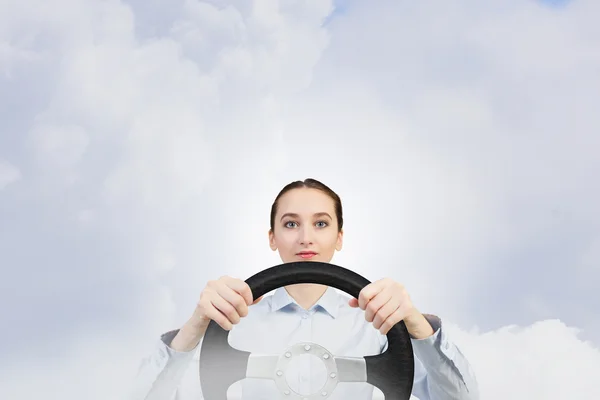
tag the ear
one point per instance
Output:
(340, 240)
(272, 240)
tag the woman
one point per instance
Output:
(306, 224)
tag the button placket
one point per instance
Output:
(305, 370)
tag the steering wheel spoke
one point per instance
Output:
(351, 369)
(262, 366)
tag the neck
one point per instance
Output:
(306, 294)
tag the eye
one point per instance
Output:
(324, 224)
(287, 224)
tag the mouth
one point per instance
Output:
(306, 254)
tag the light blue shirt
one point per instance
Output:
(276, 322)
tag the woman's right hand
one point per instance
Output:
(224, 301)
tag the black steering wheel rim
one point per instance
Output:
(220, 365)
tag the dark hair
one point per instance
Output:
(310, 184)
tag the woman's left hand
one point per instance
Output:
(386, 302)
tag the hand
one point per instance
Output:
(224, 301)
(386, 303)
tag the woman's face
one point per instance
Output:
(305, 227)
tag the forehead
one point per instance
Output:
(305, 201)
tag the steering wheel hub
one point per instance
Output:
(300, 349)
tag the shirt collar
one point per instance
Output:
(329, 301)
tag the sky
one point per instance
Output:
(143, 142)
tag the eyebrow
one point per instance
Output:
(294, 215)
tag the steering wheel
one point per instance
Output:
(222, 365)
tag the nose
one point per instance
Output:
(305, 236)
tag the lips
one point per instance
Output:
(307, 254)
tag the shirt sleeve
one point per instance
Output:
(161, 373)
(442, 372)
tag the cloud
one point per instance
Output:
(544, 360)
(154, 138)
(128, 143)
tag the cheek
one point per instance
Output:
(330, 241)
(285, 241)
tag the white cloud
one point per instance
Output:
(8, 174)
(462, 140)
(544, 360)
(59, 146)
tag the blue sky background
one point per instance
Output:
(142, 143)
(556, 3)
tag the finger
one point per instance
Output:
(240, 287)
(367, 293)
(215, 315)
(353, 302)
(226, 309)
(386, 311)
(392, 320)
(376, 303)
(233, 298)
(257, 300)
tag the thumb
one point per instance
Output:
(353, 302)
(257, 300)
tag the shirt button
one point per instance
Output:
(304, 316)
